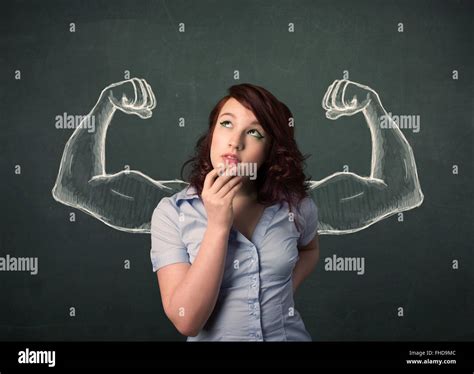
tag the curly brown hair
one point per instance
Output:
(281, 176)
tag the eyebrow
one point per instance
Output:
(252, 123)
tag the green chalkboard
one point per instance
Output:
(413, 227)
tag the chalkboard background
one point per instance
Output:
(409, 264)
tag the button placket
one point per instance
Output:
(254, 288)
(255, 325)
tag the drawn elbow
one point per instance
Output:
(58, 194)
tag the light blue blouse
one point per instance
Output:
(255, 301)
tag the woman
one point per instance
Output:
(226, 248)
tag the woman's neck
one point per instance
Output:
(247, 193)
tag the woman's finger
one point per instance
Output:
(221, 181)
(209, 180)
(233, 191)
(228, 186)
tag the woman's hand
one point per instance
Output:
(133, 96)
(217, 195)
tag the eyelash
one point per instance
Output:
(259, 137)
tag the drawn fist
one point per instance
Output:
(346, 98)
(133, 96)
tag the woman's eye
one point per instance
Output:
(222, 123)
(258, 135)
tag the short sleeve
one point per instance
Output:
(309, 217)
(166, 244)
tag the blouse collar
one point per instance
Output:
(188, 193)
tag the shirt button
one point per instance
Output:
(258, 335)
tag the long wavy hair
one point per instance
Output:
(280, 177)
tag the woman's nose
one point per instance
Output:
(235, 143)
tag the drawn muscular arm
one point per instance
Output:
(124, 200)
(348, 202)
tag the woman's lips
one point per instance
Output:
(231, 160)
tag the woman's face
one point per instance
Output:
(237, 131)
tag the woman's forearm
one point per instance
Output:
(304, 266)
(194, 299)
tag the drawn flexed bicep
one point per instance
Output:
(349, 202)
(123, 200)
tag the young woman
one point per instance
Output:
(230, 250)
